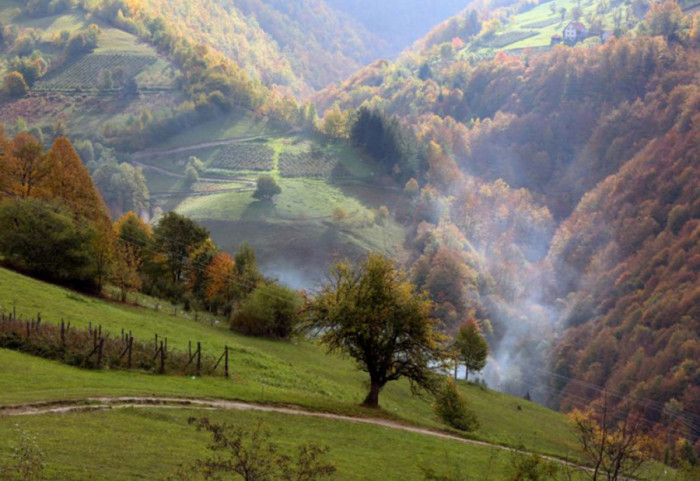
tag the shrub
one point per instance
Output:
(15, 85)
(191, 176)
(271, 310)
(453, 409)
(267, 188)
(44, 240)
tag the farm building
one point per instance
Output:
(556, 39)
(575, 32)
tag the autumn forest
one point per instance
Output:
(458, 198)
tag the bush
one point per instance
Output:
(15, 85)
(271, 310)
(453, 409)
(191, 176)
(267, 188)
(45, 241)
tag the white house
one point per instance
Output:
(575, 32)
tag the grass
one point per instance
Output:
(83, 446)
(239, 123)
(295, 236)
(267, 371)
(112, 40)
(535, 27)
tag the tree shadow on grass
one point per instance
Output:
(259, 210)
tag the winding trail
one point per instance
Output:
(152, 402)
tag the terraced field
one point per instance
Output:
(86, 72)
(310, 164)
(244, 157)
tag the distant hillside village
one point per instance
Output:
(577, 32)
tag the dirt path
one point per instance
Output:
(107, 403)
(211, 180)
(205, 145)
(189, 148)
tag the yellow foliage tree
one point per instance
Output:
(124, 270)
(25, 165)
(614, 444)
(221, 280)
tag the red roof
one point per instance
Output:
(578, 26)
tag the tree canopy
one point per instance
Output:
(266, 188)
(472, 348)
(371, 312)
(176, 237)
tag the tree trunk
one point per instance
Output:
(372, 399)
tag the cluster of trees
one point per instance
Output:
(177, 260)
(54, 222)
(388, 141)
(44, 8)
(29, 65)
(56, 226)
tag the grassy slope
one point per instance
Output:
(297, 373)
(156, 441)
(294, 235)
(81, 112)
(534, 28)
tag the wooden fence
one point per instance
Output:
(94, 348)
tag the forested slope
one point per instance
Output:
(589, 152)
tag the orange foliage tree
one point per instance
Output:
(222, 283)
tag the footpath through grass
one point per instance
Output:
(297, 372)
(155, 441)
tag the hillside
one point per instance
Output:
(275, 372)
(399, 23)
(563, 146)
(544, 194)
(148, 97)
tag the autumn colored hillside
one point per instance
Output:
(545, 196)
(557, 202)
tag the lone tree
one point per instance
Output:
(614, 442)
(371, 312)
(267, 188)
(471, 347)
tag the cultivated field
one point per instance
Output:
(244, 157)
(86, 72)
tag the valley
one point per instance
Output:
(213, 171)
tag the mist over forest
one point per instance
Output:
(526, 170)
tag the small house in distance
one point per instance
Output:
(556, 40)
(575, 32)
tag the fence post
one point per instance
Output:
(99, 352)
(199, 359)
(131, 343)
(162, 358)
(226, 361)
(63, 334)
(29, 332)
